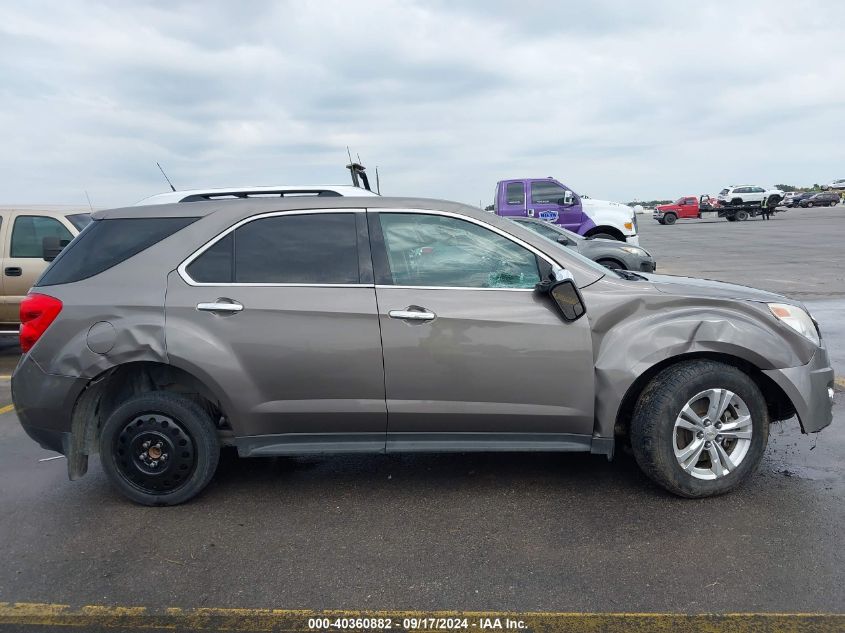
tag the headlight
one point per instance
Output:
(797, 319)
(634, 251)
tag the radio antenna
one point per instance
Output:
(378, 185)
(90, 206)
(165, 177)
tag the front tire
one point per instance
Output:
(671, 218)
(612, 264)
(810, 204)
(700, 428)
(159, 448)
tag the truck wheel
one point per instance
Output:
(741, 216)
(671, 218)
(159, 448)
(700, 428)
(810, 204)
(661, 221)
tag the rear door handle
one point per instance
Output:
(13, 271)
(412, 315)
(220, 306)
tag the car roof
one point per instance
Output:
(245, 207)
(178, 196)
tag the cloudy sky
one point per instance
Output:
(620, 100)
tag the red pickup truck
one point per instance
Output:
(685, 208)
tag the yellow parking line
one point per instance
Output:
(7, 408)
(205, 619)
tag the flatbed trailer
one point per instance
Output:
(736, 212)
(689, 207)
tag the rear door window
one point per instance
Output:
(29, 231)
(515, 194)
(313, 248)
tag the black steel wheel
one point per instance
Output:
(670, 218)
(159, 448)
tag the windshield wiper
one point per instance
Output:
(627, 274)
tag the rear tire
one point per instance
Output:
(741, 216)
(671, 218)
(660, 435)
(159, 448)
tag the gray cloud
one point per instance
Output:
(618, 99)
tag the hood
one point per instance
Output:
(689, 286)
(661, 207)
(592, 203)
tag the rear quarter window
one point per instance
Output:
(105, 243)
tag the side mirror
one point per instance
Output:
(567, 199)
(51, 247)
(564, 240)
(566, 297)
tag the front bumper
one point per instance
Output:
(633, 239)
(809, 387)
(44, 404)
(647, 265)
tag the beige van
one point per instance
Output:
(23, 229)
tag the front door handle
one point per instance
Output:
(220, 306)
(420, 314)
(14, 271)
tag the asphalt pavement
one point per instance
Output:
(471, 532)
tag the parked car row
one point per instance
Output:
(808, 199)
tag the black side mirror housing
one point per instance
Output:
(564, 240)
(51, 247)
(566, 298)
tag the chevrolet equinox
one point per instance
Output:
(379, 325)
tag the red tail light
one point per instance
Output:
(37, 313)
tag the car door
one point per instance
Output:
(511, 202)
(473, 356)
(278, 315)
(23, 262)
(547, 203)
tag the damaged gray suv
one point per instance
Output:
(373, 325)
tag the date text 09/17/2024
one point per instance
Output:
(415, 624)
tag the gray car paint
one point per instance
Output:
(494, 361)
(596, 249)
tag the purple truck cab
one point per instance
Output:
(548, 199)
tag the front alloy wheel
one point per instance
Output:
(700, 428)
(712, 434)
